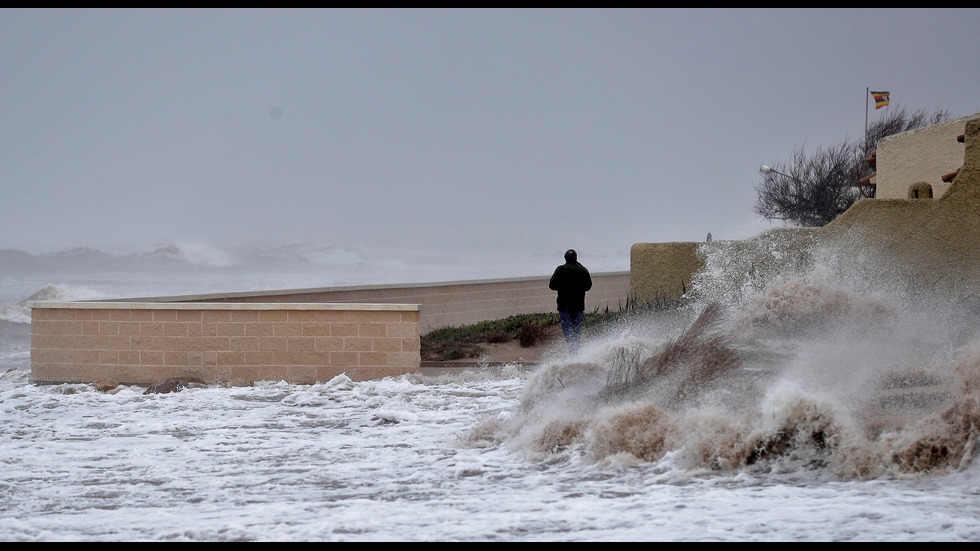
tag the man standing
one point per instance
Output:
(571, 280)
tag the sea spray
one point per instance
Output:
(947, 440)
(734, 271)
(800, 361)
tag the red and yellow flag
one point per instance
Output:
(881, 99)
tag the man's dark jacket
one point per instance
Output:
(571, 280)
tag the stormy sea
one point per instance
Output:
(779, 401)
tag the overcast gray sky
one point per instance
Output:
(442, 129)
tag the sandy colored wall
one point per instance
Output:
(661, 271)
(922, 155)
(143, 343)
(933, 244)
(448, 304)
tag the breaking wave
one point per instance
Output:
(183, 254)
(780, 360)
(20, 313)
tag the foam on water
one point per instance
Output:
(809, 367)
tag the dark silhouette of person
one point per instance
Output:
(572, 280)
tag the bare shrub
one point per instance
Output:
(530, 335)
(698, 357)
(497, 336)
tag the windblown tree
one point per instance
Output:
(813, 189)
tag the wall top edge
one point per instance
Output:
(312, 290)
(225, 306)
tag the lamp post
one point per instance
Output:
(764, 170)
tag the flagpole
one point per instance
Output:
(866, 92)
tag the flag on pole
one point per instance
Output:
(881, 99)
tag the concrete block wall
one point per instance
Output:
(299, 336)
(142, 343)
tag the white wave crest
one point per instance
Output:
(15, 313)
(197, 254)
(20, 313)
(60, 292)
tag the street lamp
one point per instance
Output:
(764, 170)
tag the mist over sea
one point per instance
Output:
(768, 408)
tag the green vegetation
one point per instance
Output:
(453, 343)
(485, 329)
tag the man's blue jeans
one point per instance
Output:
(571, 326)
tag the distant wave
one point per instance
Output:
(15, 314)
(191, 253)
(20, 313)
(183, 255)
(201, 256)
(69, 293)
(299, 254)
